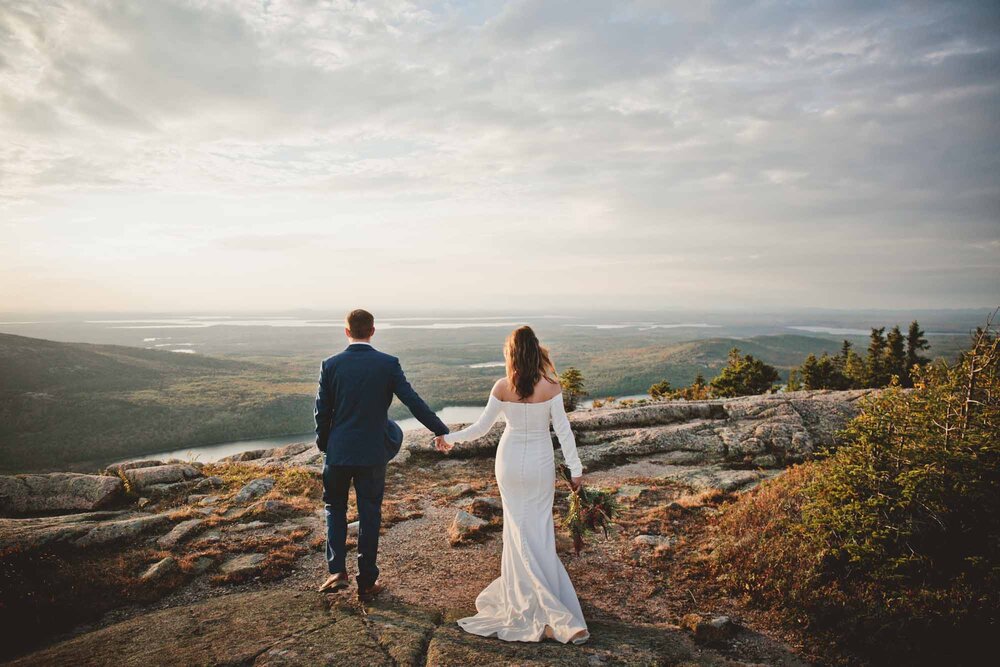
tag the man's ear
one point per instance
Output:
(347, 331)
(373, 331)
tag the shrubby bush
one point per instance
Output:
(743, 375)
(892, 543)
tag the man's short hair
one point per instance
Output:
(361, 323)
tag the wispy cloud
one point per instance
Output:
(797, 139)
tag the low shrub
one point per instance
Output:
(892, 543)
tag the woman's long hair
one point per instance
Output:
(527, 362)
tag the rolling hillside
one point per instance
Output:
(625, 371)
(72, 403)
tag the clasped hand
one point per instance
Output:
(441, 445)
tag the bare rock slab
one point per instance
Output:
(128, 465)
(243, 564)
(80, 530)
(278, 627)
(160, 569)
(56, 492)
(254, 489)
(610, 644)
(116, 531)
(140, 479)
(179, 533)
(403, 631)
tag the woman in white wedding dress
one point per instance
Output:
(533, 598)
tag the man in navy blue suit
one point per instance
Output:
(353, 429)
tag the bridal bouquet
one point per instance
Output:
(589, 509)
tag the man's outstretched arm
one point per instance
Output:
(323, 412)
(402, 389)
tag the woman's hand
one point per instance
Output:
(576, 483)
(441, 445)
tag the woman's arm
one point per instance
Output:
(567, 443)
(482, 425)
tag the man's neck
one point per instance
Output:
(366, 341)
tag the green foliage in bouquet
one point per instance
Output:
(589, 510)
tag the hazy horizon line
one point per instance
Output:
(330, 312)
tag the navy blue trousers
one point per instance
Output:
(369, 486)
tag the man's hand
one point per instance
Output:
(441, 445)
(576, 483)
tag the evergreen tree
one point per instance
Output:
(571, 380)
(743, 376)
(875, 366)
(794, 382)
(855, 372)
(895, 356)
(846, 349)
(915, 343)
(824, 373)
(809, 373)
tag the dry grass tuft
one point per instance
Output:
(184, 513)
(289, 481)
(709, 497)
(281, 551)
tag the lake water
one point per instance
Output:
(453, 414)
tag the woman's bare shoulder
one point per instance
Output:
(500, 389)
(548, 389)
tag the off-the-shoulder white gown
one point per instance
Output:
(533, 590)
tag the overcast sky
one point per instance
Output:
(233, 155)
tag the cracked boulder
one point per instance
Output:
(80, 530)
(141, 479)
(56, 492)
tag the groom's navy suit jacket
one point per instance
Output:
(352, 405)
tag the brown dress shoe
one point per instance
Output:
(366, 594)
(335, 582)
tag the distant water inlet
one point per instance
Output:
(456, 414)
(452, 414)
